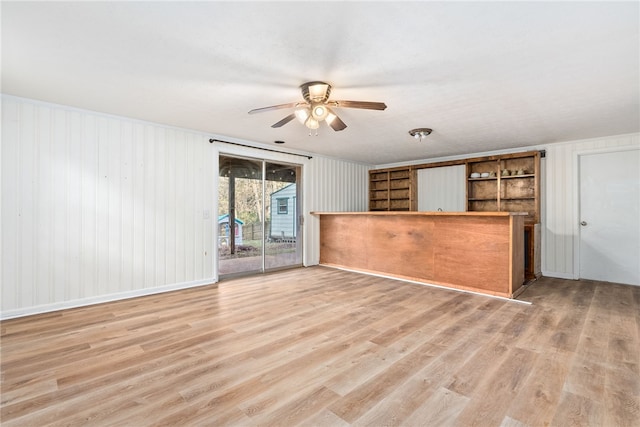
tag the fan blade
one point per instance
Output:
(358, 104)
(284, 121)
(335, 123)
(277, 107)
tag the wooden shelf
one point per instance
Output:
(506, 192)
(518, 176)
(392, 189)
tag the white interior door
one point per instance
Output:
(442, 188)
(610, 216)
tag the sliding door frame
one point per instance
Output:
(298, 217)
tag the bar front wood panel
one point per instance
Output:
(482, 253)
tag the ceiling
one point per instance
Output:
(483, 75)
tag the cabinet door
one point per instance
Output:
(442, 188)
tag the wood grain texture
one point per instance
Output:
(516, 253)
(325, 347)
(482, 253)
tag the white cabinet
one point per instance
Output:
(442, 188)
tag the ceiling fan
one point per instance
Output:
(317, 107)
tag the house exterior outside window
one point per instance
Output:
(283, 206)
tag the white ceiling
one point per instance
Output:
(484, 75)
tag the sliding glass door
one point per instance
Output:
(258, 218)
(282, 243)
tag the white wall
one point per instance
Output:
(97, 207)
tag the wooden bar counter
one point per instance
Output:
(475, 251)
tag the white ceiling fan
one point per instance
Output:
(317, 107)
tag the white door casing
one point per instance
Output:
(609, 216)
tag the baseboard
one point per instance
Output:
(63, 305)
(556, 275)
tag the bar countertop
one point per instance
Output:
(476, 251)
(416, 213)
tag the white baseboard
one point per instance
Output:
(555, 274)
(63, 305)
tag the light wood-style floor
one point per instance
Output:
(324, 347)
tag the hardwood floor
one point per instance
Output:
(318, 347)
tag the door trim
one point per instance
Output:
(576, 198)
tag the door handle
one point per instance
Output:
(583, 223)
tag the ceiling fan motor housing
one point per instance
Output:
(316, 92)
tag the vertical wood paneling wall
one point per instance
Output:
(332, 186)
(442, 188)
(96, 207)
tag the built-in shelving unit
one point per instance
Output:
(512, 184)
(392, 189)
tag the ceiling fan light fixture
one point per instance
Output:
(319, 112)
(312, 123)
(420, 133)
(330, 118)
(302, 114)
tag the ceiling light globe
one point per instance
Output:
(319, 112)
(420, 133)
(302, 114)
(312, 123)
